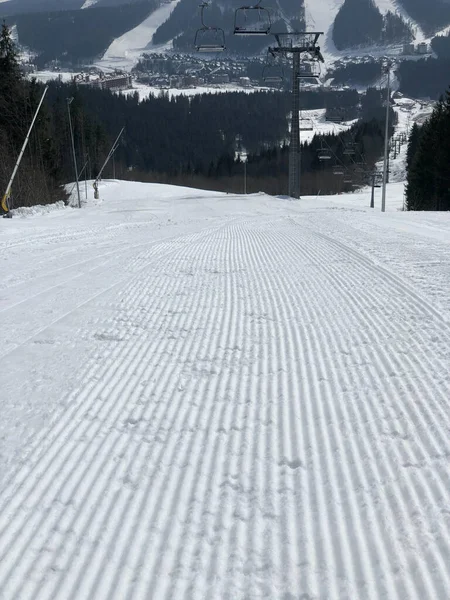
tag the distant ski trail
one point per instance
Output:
(263, 423)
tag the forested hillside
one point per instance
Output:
(78, 36)
(41, 170)
(432, 15)
(441, 45)
(16, 7)
(360, 23)
(428, 183)
(424, 78)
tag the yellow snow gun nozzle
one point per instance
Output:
(4, 203)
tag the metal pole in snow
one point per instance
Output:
(85, 179)
(386, 141)
(5, 199)
(372, 200)
(69, 102)
(245, 176)
(111, 152)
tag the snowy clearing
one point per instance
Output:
(212, 396)
(144, 91)
(316, 118)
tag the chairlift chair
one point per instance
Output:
(273, 73)
(334, 117)
(324, 153)
(349, 149)
(309, 70)
(252, 20)
(208, 38)
(338, 170)
(306, 124)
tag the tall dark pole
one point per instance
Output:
(296, 43)
(372, 199)
(294, 149)
(69, 102)
(386, 140)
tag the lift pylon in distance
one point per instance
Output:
(252, 20)
(296, 44)
(208, 38)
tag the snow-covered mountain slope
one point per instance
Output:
(408, 112)
(124, 52)
(211, 396)
(320, 16)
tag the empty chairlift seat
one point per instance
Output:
(209, 38)
(349, 149)
(309, 70)
(273, 73)
(252, 20)
(324, 154)
(306, 124)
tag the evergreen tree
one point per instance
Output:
(11, 86)
(9, 63)
(413, 144)
(396, 29)
(428, 177)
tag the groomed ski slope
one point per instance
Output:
(210, 396)
(125, 51)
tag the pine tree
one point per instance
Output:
(396, 29)
(413, 144)
(428, 177)
(9, 64)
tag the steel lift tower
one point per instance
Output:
(296, 44)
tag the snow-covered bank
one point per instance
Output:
(40, 209)
(216, 396)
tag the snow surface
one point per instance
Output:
(320, 125)
(144, 91)
(214, 396)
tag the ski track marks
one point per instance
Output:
(268, 419)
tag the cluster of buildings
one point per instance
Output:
(190, 81)
(181, 71)
(116, 81)
(410, 49)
